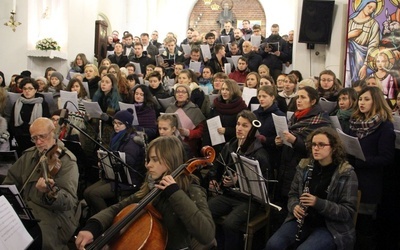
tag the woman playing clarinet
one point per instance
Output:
(322, 198)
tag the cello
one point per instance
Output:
(139, 222)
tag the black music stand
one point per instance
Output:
(251, 183)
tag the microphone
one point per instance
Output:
(63, 114)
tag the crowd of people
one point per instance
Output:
(168, 124)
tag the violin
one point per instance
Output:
(137, 234)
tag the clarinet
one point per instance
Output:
(306, 190)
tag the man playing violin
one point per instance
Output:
(51, 197)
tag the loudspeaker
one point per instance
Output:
(316, 21)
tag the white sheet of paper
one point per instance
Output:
(235, 60)
(335, 122)
(289, 115)
(225, 39)
(255, 40)
(213, 124)
(229, 46)
(248, 93)
(205, 89)
(281, 126)
(205, 51)
(326, 105)
(229, 59)
(13, 234)
(227, 68)
(285, 69)
(71, 97)
(92, 109)
(125, 106)
(138, 70)
(166, 102)
(397, 142)
(186, 49)
(254, 107)
(195, 66)
(351, 144)
(396, 122)
(212, 98)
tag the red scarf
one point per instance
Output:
(301, 113)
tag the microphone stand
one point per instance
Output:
(118, 161)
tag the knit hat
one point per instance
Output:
(187, 87)
(58, 75)
(41, 78)
(307, 82)
(125, 116)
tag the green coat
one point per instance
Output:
(57, 220)
(186, 217)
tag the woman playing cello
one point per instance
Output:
(182, 203)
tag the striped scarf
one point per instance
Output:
(365, 127)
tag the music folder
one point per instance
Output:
(106, 164)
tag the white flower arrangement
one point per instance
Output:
(47, 44)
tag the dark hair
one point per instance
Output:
(218, 47)
(144, 34)
(210, 35)
(138, 44)
(298, 74)
(352, 94)
(210, 68)
(148, 100)
(130, 65)
(338, 151)
(133, 77)
(47, 71)
(244, 59)
(115, 97)
(312, 94)
(155, 74)
(82, 93)
(27, 80)
(359, 83)
(128, 35)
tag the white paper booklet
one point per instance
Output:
(205, 51)
(351, 144)
(93, 109)
(125, 106)
(280, 127)
(70, 97)
(213, 124)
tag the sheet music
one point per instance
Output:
(186, 49)
(205, 51)
(248, 93)
(195, 66)
(397, 142)
(138, 70)
(289, 114)
(107, 166)
(255, 40)
(229, 59)
(48, 97)
(125, 106)
(11, 193)
(71, 97)
(281, 126)
(251, 170)
(213, 124)
(93, 109)
(254, 107)
(186, 122)
(335, 122)
(235, 60)
(225, 39)
(326, 105)
(227, 68)
(13, 234)
(351, 144)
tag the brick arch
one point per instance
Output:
(243, 9)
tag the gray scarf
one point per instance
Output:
(36, 112)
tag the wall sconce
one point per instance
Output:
(207, 2)
(215, 6)
(12, 23)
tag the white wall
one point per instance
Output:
(76, 22)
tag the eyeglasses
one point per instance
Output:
(28, 88)
(319, 145)
(326, 80)
(41, 137)
(117, 123)
(181, 92)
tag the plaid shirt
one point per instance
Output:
(340, 206)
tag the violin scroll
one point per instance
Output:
(209, 155)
